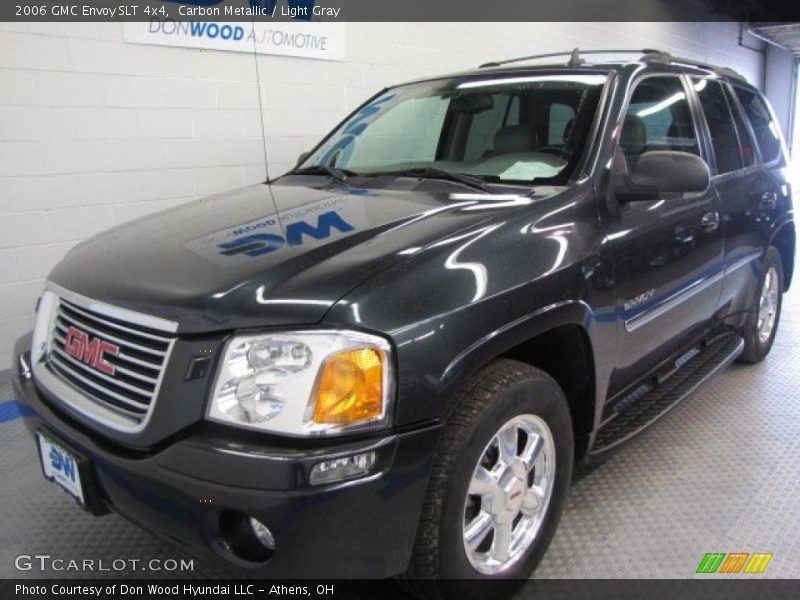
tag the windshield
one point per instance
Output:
(509, 128)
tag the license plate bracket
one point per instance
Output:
(69, 470)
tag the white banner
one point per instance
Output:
(324, 40)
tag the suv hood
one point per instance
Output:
(233, 261)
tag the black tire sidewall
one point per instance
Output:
(539, 396)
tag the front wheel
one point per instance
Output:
(765, 312)
(499, 482)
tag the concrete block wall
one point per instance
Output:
(95, 132)
(779, 77)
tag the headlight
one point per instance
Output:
(305, 383)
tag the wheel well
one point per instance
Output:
(784, 241)
(565, 353)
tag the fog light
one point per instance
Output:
(347, 467)
(262, 533)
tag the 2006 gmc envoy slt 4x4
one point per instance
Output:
(389, 359)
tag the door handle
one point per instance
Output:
(768, 200)
(683, 236)
(710, 221)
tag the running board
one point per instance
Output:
(650, 402)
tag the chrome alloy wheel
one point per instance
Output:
(509, 494)
(768, 305)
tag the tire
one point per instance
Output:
(507, 396)
(756, 344)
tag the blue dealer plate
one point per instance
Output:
(60, 466)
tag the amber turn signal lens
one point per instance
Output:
(351, 387)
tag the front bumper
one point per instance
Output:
(360, 528)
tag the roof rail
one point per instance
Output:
(646, 55)
(666, 57)
(574, 55)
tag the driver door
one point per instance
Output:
(667, 252)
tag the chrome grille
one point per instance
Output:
(141, 355)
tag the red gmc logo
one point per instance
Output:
(91, 352)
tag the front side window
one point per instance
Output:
(764, 128)
(658, 118)
(720, 124)
(509, 128)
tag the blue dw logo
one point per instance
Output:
(259, 244)
(268, 6)
(62, 462)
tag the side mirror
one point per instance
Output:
(302, 157)
(659, 173)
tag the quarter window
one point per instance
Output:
(720, 124)
(765, 129)
(658, 118)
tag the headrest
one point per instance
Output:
(634, 135)
(514, 138)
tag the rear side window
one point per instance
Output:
(764, 128)
(720, 124)
(559, 123)
(746, 143)
(658, 118)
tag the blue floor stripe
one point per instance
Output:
(12, 409)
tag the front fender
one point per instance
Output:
(458, 303)
(495, 343)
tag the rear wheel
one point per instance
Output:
(762, 319)
(500, 478)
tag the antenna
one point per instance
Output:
(262, 116)
(260, 106)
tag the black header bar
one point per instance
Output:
(717, 588)
(398, 10)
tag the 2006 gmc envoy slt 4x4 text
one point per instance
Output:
(389, 359)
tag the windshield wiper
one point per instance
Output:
(434, 173)
(337, 174)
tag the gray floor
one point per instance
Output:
(720, 473)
